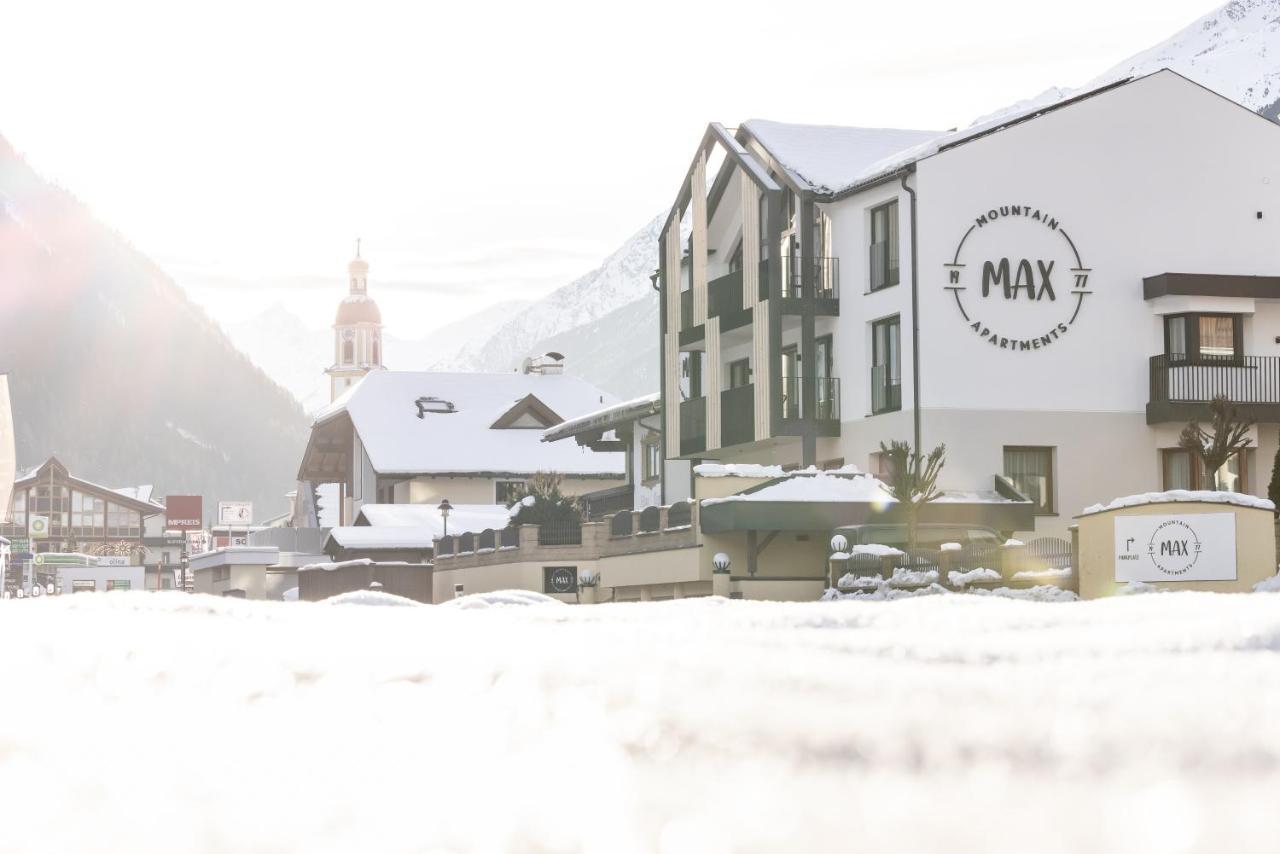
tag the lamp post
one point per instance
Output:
(720, 575)
(444, 509)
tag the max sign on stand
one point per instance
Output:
(1189, 547)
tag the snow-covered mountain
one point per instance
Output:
(621, 280)
(1227, 50)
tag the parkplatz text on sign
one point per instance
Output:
(1190, 547)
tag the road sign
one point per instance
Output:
(235, 512)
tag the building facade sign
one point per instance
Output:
(1191, 547)
(1017, 278)
(235, 512)
(184, 512)
(560, 579)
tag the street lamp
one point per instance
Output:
(839, 543)
(444, 509)
(721, 562)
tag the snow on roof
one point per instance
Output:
(366, 537)
(1202, 495)
(829, 158)
(462, 518)
(737, 470)
(331, 566)
(974, 496)
(834, 160)
(609, 416)
(137, 493)
(382, 409)
(816, 486)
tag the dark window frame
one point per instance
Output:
(651, 443)
(1050, 507)
(1193, 356)
(745, 365)
(507, 481)
(876, 325)
(1198, 474)
(892, 248)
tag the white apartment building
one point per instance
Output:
(1053, 294)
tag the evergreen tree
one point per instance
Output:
(1273, 489)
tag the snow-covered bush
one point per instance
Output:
(542, 503)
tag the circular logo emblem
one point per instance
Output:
(1017, 278)
(563, 580)
(1174, 547)
(39, 526)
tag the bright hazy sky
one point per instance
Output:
(483, 151)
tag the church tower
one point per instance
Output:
(357, 332)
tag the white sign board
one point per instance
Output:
(1193, 547)
(38, 527)
(235, 512)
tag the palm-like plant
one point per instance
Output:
(1228, 436)
(913, 480)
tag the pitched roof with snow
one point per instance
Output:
(834, 161)
(402, 437)
(351, 537)
(827, 158)
(463, 518)
(606, 418)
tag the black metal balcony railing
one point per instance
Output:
(824, 273)
(1197, 379)
(724, 295)
(886, 390)
(826, 398)
(693, 426)
(737, 415)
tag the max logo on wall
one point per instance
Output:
(1017, 278)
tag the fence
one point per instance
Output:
(1242, 379)
(1049, 552)
(560, 534)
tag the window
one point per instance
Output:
(1203, 337)
(825, 392)
(791, 381)
(886, 365)
(690, 374)
(884, 246)
(508, 492)
(739, 373)
(1030, 470)
(735, 258)
(652, 462)
(348, 352)
(1182, 470)
(117, 584)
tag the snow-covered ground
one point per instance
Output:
(169, 723)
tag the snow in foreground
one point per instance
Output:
(170, 723)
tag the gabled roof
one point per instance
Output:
(383, 412)
(528, 408)
(827, 158)
(136, 498)
(834, 162)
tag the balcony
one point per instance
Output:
(603, 502)
(737, 415)
(826, 399)
(693, 426)
(886, 390)
(686, 310)
(824, 273)
(724, 295)
(1182, 386)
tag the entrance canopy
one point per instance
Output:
(822, 501)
